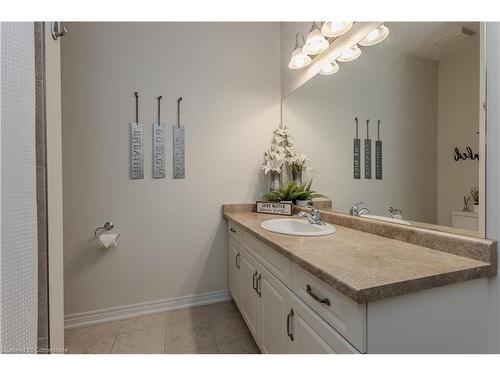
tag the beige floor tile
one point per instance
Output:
(189, 340)
(245, 346)
(194, 314)
(94, 346)
(223, 306)
(187, 327)
(218, 317)
(151, 340)
(93, 332)
(230, 330)
(143, 322)
(203, 350)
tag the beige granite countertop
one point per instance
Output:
(365, 267)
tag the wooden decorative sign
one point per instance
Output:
(275, 208)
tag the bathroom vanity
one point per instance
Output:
(371, 287)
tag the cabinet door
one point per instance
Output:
(249, 296)
(312, 335)
(234, 260)
(272, 315)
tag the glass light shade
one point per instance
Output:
(315, 42)
(332, 29)
(329, 69)
(299, 59)
(350, 54)
(375, 36)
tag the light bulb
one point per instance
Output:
(350, 54)
(333, 29)
(299, 59)
(329, 69)
(315, 41)
(375, 36)
(372, 35)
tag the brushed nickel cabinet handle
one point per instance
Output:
(258, 289)
(236, 261)
(309, 291)
(288, 324)
(232, 230)
(253, 281)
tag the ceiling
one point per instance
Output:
(419, 38)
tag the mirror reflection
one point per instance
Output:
(416, 99)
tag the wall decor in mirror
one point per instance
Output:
(417, 88)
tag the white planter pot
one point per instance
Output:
(302, 203)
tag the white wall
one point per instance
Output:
(384, 84)
(173, 237)
(458, 122)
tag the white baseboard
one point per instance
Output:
(130, 311)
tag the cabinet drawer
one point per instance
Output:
(345, 315)
(276, 263)
(234, 231)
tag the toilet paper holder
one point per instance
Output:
(108, 225)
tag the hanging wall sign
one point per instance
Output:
(378, 154)
(368, 153)
(468, 154)
(158, 147)
(357, 154)
(179, 149)
(136, 145)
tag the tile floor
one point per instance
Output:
(210, 329)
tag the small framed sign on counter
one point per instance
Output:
(275, 208)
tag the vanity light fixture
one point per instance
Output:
(315, 41)
(299, 59)
(375, 36)
(350, 54)
(333, 29)
(329, 69)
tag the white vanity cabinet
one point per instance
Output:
(289, 310)
(279, 321)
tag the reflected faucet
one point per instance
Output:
(356, 211)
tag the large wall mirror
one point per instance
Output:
(425, 85)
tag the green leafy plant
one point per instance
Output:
(292, 192)
(474, 194)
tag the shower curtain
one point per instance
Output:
(18, 225)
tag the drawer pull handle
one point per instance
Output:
(253, 281)
(258, 285)
(232, 230)
(309, 291)
(288, 324)
(237, 258)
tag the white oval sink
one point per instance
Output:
(385, 218)
(296, 227)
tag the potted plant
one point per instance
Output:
(474, 194)
(293, 192)
(275, 157)
(304, 195)
(283, 151)
(297, 162)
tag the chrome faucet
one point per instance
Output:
(314, 217)
(356, 211)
